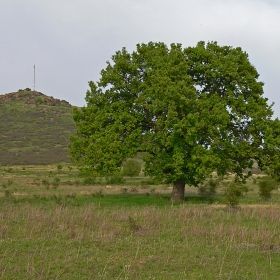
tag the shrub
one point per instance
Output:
(131, 168)
(8, 193)
(59, 167)
(46, 183)
(209, 187)
(37, 182)
(76, 182)
(39, 100)
(98, 194)
(233, 193)
(55, 182)
(124, 190)
(88, 180)
(266, 186)
(114, 179)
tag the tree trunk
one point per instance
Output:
(178, 192)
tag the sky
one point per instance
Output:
(70, 41)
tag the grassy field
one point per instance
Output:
(54, 226)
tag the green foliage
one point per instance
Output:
(266, 186)
(98, 194)
(89, 180)
(9, 194)
(131, 168)
(46, 183)
(37, 182)
(209, 187)
(39, 100)
(233, 193)
(59, 167)
(115, 178)
(189, 111)
(55, 182)
(7, 184)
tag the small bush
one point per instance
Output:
(59, 167)
(209, 187)
(77, 182)
(55, 182)
(131, 168)
(115, 179)
(8, 193)
(98, 194)
(72, 195)
(266, 186)
(46, 183)
(39, 100)
(37, 182)
(87, 181)
(233, 193)
(124, 190)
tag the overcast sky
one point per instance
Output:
(70, 41)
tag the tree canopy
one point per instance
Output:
(189, 111)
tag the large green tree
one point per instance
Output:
(189, 111)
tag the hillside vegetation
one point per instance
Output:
(34, 128)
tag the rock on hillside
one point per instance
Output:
(34, 128)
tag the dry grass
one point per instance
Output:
(183, 242)
(128, 232)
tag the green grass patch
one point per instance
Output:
(68, 230)
(91, 241)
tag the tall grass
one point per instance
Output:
(75, 231)
(141, 242)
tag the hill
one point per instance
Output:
(34, 128)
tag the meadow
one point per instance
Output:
(54, 224)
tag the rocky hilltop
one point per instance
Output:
(33, 98)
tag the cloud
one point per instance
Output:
(70, 41)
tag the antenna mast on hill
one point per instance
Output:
(34, 78)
